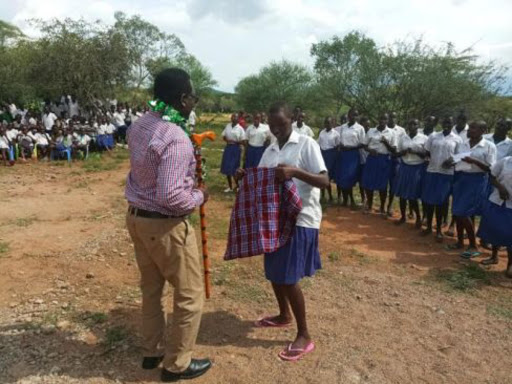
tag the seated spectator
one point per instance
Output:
(43, 141)
(26, 144)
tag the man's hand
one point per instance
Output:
(239, 174)
(285, 172)
(206, 194)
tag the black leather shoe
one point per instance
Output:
(151, 362)
(195, 369)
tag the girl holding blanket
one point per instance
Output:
(296, 157)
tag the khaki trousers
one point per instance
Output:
(166, 250)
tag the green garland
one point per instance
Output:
(169, 114)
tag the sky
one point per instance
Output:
(235, 38)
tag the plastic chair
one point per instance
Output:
(67, 151)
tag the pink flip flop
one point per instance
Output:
(266, 322)
(292, 354)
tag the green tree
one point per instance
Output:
(409, 77)
(9, 33)
(278, 81)
(147, 46)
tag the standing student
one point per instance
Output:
(348, 164)
(395, 161)
(496, 224)
(191, 121)
(296, 157)
(329, 140)
(470, 185)
(49, 119)
(301, 128)
(118, 120)
(4, 145)
(257, 138)
(363, 154)
(428, 128)
(234, 136)
(411, 150)
(380, 144)
(500, 138)
(437, 184)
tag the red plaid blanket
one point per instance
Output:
(264, 215)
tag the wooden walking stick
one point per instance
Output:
(197, 139)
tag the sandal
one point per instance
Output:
(291, 354)
(469, 254)
(490, 261)
(266, 322)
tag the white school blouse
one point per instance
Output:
(484, 150)
(302, 152)
(502, 171)
(373, 140)
(417, 144)
(351, 135)
(4, 142)
(235, 133)
(110, 129)
(42, 139)
(441, 148)
(503, 148)
(399, 131)
(257, 136)
(12, 134)
(463, 134)
(328, 139)
(304, 130)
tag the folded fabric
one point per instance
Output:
(264, 214)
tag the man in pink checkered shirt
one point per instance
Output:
(161, 193)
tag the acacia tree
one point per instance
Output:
(278, 81)
(411, 78)
(78, 57)
(146, 45)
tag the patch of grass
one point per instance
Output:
(82, 184)
(50, 318)
(4, 248)
(221, 275)
(24, 221)
(91, 319)
(465, 279)
(500, 311)
(248, 292)
(115, 335)
(334, 256)
(194, 220)
(362, 257)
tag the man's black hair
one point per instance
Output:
(171, 84)
(280, 105)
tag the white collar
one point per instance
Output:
(293, 139)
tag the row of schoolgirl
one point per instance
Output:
(462, 161)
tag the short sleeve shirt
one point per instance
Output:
(235, 133)
(484, 151)
(417, 144)
(304, 130)
(441, 148)
(502, 171)
(351, 135)
(302, 152)
(328, 139)
(257, 136)
(503, 148)
(373, 140)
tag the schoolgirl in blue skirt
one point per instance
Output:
(329, 140)
(437, 184)
(470, 185)
(348, 164)
(380, 143)
(234, 136)
(257, 139)
(300, 257)
(411, 150)
(395, 160)
(363, 154)
(496, 224)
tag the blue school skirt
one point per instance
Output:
(376, 173)
(298, 258)
(436, 188)
(393, 177)
(348, 168)
(496, 224)
(409, 181)
(109, 140)
(101, 140)
(469, 193)
(230, 159)
(330, 156)
(254, 155)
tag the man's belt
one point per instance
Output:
(150, 214)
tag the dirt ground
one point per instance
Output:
(388, 306)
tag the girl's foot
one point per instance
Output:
(470, 253)
(410, 216)
(426, 232)
(418, 224)
(451, 247)
(450, 232)
(273, 322)
(439, 237)
(400, 222)
(389, 213)
(298, 349)
(490, 261)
